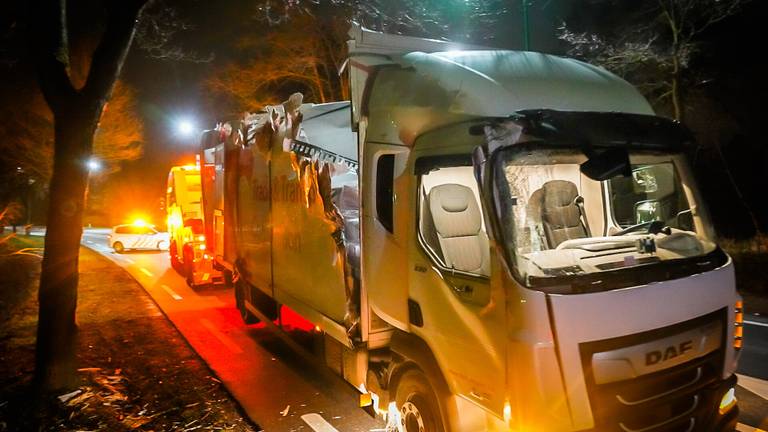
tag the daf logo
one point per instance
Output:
(670, 352)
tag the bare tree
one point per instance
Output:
(304, 54)
(76, 112)
(654, 51)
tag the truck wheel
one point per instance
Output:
(118, 247)
(173, 252)
(227, 277)
(189, 267)
(241, 287)
(417, 403)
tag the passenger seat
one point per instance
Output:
(458, 222)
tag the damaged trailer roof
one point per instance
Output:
(328, 126)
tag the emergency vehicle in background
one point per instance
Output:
(487, 240)
(186, 226)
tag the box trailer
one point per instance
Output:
(487, 240)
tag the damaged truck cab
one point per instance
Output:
(498, 241)
(533, 234)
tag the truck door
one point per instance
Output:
(452, 283)
(384, 231)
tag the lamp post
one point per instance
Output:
(94, 166)
(526, 32)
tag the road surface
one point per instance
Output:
(281, 391)
(277, 389)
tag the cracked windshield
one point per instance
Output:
(566, 224)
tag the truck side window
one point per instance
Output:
(385, 170)
(451, 223)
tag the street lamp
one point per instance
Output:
(185, 127)
(93, 165)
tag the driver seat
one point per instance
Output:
(560, 214)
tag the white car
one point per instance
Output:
(132, 236)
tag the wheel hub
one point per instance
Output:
(410, 418)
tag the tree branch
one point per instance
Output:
(113, 47)
(51, 51)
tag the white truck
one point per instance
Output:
(487, 240)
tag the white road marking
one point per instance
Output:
(756, 323)
(224, 339)
(146, 272)
(88, 241)
(318, 423)
(171, 292)
(129, 260)
(755, 385)
(744, 428)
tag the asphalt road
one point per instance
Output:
(281, 391)
(277, 389)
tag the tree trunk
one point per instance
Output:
(76, 114)
(55, 367)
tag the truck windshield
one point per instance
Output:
(569, 233)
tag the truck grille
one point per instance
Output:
(681, 398)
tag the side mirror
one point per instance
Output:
(647, 211)
(608, 164)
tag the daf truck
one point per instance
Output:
(487, 240)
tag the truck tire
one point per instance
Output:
(417, 403)
(189, 267)
(241, 289)
(227, 277)
(173, 252)
(118, 247)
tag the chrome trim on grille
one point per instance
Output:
(669, 421)
(666, 393)
(679, 397)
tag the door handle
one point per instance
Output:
(479, 395)
(464, 289)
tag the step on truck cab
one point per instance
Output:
(186, 227)
(490, 240)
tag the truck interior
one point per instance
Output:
(562, 224)
(451, 222)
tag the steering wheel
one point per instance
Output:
(650, 227)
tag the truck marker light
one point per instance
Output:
(738, 330)
(391, 415)
(365, 400)
(728, 401)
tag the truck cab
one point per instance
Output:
(486, 240)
